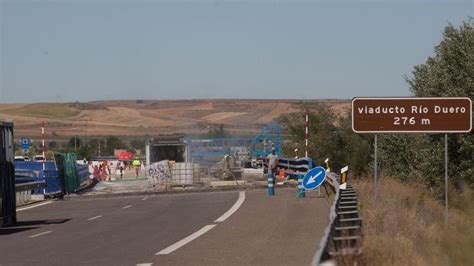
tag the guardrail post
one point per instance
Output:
(344, 180)
(301, 193)
(343, 235)
(271, 189)
(328, 168)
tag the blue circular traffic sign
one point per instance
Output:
(314, 178)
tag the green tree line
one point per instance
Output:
(87, 149)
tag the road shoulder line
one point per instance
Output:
(34, 206)
(233, 209)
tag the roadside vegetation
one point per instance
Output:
(404, 224)
(88, 148)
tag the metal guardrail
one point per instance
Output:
(342, 237)
(29, 186)
(23, 191)
(49, 177)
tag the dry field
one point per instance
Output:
(149, 117)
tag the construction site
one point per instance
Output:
(208, 144)
(236, 133)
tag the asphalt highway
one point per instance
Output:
(218, 228)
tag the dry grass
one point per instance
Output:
(405, 226)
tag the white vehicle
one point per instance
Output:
(38, 158)
(22, 158)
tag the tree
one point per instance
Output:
(74, 142)
(331, 136)
(16, 146)
(85, 151)
(450, 72)
(111, 143)
(137, 144)
(52, 145)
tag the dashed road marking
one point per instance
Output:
(232, 209)
(34, 206)
(145, 198)
(145, 264)
(206, 228)
(40, 234)
(186, 240)
(95, 217)
(126, 207)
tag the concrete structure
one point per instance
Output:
(166, 147)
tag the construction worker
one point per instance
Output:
(136, 164)
(272, 160)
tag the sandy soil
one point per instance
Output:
(215, 118)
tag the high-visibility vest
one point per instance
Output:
(281, 174)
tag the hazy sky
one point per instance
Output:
(88, 50)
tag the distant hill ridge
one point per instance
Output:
(151, 117)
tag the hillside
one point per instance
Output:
(149, 117)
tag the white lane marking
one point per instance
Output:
(145, 198)
(186, 240)
(144, 264)
(40, 234)
(34, 206)
(126, 207)
(232, 209)
(95, 217)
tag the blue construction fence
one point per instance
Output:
(294, 167)
(33, 171)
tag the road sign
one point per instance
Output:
(314, 178)
(25, 143)
(412, 115)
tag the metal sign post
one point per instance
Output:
(413, 115)
(375, 166)
(446, 178)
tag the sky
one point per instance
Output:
(84, 50)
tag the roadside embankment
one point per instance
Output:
(403, 225)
